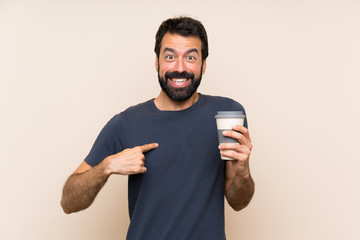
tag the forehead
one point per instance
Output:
(180, 43)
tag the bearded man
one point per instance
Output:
(168, 146)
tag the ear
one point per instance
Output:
(203, 67)
(156, 64)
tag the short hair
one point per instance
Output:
(184, 26)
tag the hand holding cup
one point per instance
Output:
(225, 120)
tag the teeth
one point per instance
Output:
(179, 80)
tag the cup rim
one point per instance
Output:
(230, 114)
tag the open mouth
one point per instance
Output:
(179, 82)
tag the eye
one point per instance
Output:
(170, 57)
(191, 58)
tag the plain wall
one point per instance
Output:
(66, 67)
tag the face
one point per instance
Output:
(180, 66)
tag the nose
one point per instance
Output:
(180, 65)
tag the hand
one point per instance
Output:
(240, 151)
(129, 161)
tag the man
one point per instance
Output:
(168, 146)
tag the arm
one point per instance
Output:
(239, 185)
(82, 187)
(84, 184)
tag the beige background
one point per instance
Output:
(66, 67)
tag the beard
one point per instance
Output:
(179, 94)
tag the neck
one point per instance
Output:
(164, 103)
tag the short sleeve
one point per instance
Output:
(107, 143)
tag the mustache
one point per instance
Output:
(179, 75)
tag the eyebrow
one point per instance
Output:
(187, 52)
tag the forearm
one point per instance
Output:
(240, 192)
(81, 189)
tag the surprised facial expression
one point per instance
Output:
(180, 66)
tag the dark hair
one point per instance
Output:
(184, 26)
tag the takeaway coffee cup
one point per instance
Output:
(224, 121)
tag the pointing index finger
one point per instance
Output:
(148, 147)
